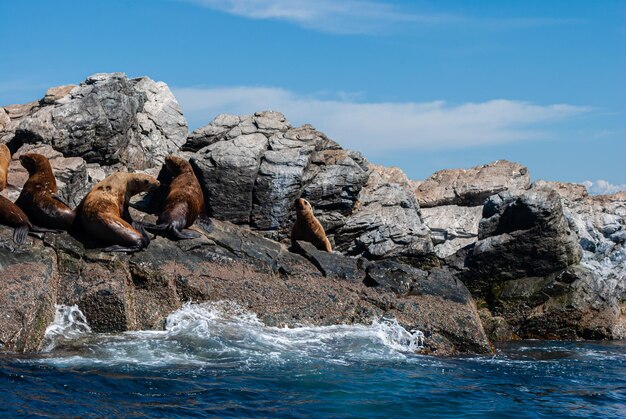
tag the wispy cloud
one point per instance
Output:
(379, 127)
(603, 187)
(356, 16)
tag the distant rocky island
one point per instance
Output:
(468, 256)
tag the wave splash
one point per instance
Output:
(226, 335)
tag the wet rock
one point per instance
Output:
(232, 263)
(29, 283)
(470, 187)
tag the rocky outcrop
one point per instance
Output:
(546, 261)
(136, 292)
(253, 168)
(470, 187)
(107, 119)
(544, 268)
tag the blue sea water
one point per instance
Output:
(218, 360)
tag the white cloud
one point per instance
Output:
(355, 16)
(603, 187)
(379, 127)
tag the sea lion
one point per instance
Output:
(5, 159)
(39, 199)
(11, 215)
(307, 228)
(184, 201)
(103, 213)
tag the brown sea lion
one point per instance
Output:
(184, 201)
(39, 199)
(307, 228)
(5, 159)
(104, 211)
(11, 215)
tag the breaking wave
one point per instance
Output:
(226, 335)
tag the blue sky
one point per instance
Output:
(423, 85)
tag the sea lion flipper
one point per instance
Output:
(121, 249)
(20, 233)
(156, 227)
(184, 234)
(205, 223)
(37, 229)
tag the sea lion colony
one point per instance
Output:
(103, 213)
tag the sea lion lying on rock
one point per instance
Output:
(104, 211)
(39, 199)
(308, 228)
(184, 201)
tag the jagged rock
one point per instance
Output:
(567, 191)
(55, 93)
(452, 227)
(108, 119)
(387, 222)
(470, 187)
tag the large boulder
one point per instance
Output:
(107, 119)
(470, 187)
(521, 236)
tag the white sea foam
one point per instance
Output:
(69, 323)
(226, 335)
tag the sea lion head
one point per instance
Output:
(139, 182)
(175, 165)
(303, 206)
(34, 162)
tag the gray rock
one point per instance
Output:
(108, 119)
(470, 187)
(227, 171)
(452, 227)
(386, 223)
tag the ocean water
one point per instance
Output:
(219, 360)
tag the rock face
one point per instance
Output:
(121, 292)
(253, 168)
(470, 187)
(452, 227)
(108, 119)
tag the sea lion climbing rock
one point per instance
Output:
(308, 228)
(39, 199)
(184, 201)
(104, 211)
